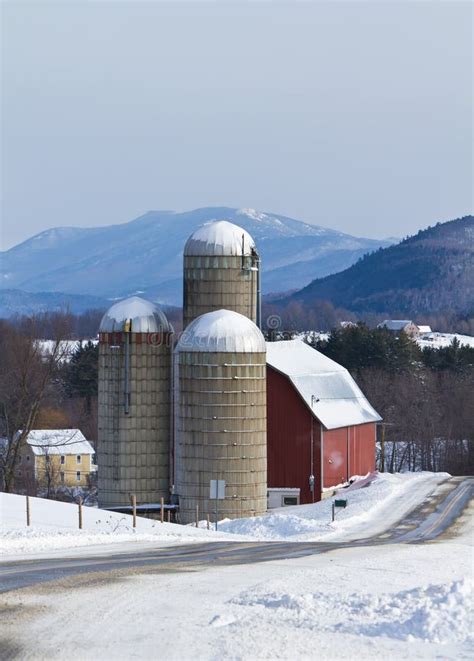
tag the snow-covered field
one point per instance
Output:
(438, 340)
(406, 601)
(54, 526)
(400, 601)
(66, 347)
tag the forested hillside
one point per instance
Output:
(427, 273)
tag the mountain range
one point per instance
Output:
(430, 272)
(145, 255)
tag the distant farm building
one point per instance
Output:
(321, 429)
(424, 329)
(55, 457)
(400, 325)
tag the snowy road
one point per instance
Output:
(426, 522)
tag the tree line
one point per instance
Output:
(425, 396)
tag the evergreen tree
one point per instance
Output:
(82, 373)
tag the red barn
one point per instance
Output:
(319, 422)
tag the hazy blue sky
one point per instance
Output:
(356, 116)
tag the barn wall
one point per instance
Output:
(289, 438)
(339, 464)
(362, 459)
(335, 446)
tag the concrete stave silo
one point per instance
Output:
(221, 271)
(134, 404)
(221, 421)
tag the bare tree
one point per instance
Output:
(26, 375)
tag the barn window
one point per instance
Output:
(62, 477)
(290, 500)
(78, 459)
(63, 459)
(78, 476)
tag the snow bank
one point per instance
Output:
(370, 511)
(54, 526)
(372, 508)
(435, 614)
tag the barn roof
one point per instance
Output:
(395, 324)
(326, 387)
(58, 441)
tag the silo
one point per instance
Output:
(135, 346)
(221, 270)
(222, 416)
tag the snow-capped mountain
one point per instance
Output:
(145, 255)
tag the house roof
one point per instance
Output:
(424, 329)
(395, 324)
(326, 387)
(58, 441)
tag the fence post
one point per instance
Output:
(162, 510)
(208, 523)
(197, 516)
(79, 503)
(28, 516)
(169, 516)
(133, 498)
(333, 511)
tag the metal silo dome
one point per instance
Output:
(146, 317)
(221, 430)
(220, 238)
(221, 271)
(222, 331)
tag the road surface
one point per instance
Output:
(433, 518)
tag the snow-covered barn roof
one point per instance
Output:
(58, 441)
(326, 387)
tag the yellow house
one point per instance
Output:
(56, 457)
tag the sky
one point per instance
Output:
(352, 115)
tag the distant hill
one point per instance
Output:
(426, 273)
(14, 301)
(145, 255)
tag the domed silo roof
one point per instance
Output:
(219, 238)
(222, 331)
(146, 317)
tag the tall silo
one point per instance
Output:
(221, 271)
(134, 407)
(222, 416)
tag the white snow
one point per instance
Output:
(392, 602)
(254, 214)
(58, 441)
(54, 526)
(222, 331)
(438, 340)
(399, 601)
(370, 511)
(219, 238)
(66, 347)
(146, 317)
